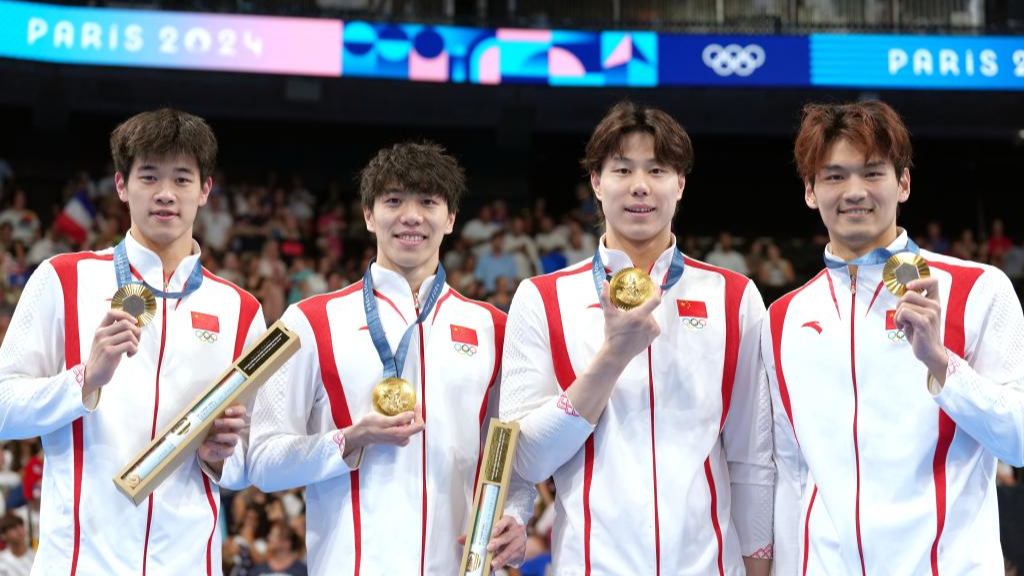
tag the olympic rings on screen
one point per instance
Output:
(733, 59)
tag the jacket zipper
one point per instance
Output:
(156, 406)
(856, 408)
(423, 446)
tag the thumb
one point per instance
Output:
(605, 295)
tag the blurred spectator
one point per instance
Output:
(494, 263)
(6, 311)
(248, 545)
(23, 221)
(9, 478)
(587, 208)
(756, 254)
(998, 243)
(521, 245)
(581, 244)
(6, 236)
(106, 186)
(289, 235)
(214, 224)
(502, 296)
(283, 546)
(251, 226)
(690, 246)
(316, 283)
(499, 215)
(935, 241)
(330, 228)
(551, 242)
(551, 238)
(1013, 262)
(453, 257)
(14, 272)
(6, 175)
(1010, 495)
(482, 228)
(725, 256)
(270, 264)
(775, 271)
(300, 200)
(965, 247)
(231, 268)
(16, 558)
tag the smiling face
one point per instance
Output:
(163, 196)
(409, 227)
(857, 198)
(638, 193)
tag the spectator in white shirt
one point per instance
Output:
(725, 256)
(16, 558)
(479, 230)
(215, 224)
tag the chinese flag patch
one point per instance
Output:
(464, 335)
(890, 319)
(207, 322)
(692, 309)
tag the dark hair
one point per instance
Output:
(293, 537)
(10, 520)
(423, 167)
(160, 133)
(672, 144)
(872, 127)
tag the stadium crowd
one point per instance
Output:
(283, 242)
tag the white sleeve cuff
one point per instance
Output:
(752, 513)
(353, 460)
(549, 437)
(91, 401)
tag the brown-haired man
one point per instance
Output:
(655, 421)
(66, 345)
(16, 557)
(390, 494)
(890, 410)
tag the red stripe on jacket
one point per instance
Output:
(315, 310)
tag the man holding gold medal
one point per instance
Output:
(897, 375)
(381, 413)
(644, 395)
(106, 347)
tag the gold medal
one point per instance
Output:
(136, 300)
(901, 269)
(392, 396)
(630, 287)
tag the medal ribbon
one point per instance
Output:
(393, 363)
(876, 256)
(675, 270)
(124, 275)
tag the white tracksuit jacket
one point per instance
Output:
(400, 509)
(877, 475)
(88, 527)
(677, 477)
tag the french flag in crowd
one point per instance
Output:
(77, 217)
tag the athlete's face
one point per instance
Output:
(857, 199)
(163, 196)
(409, 228)
(638, 193)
